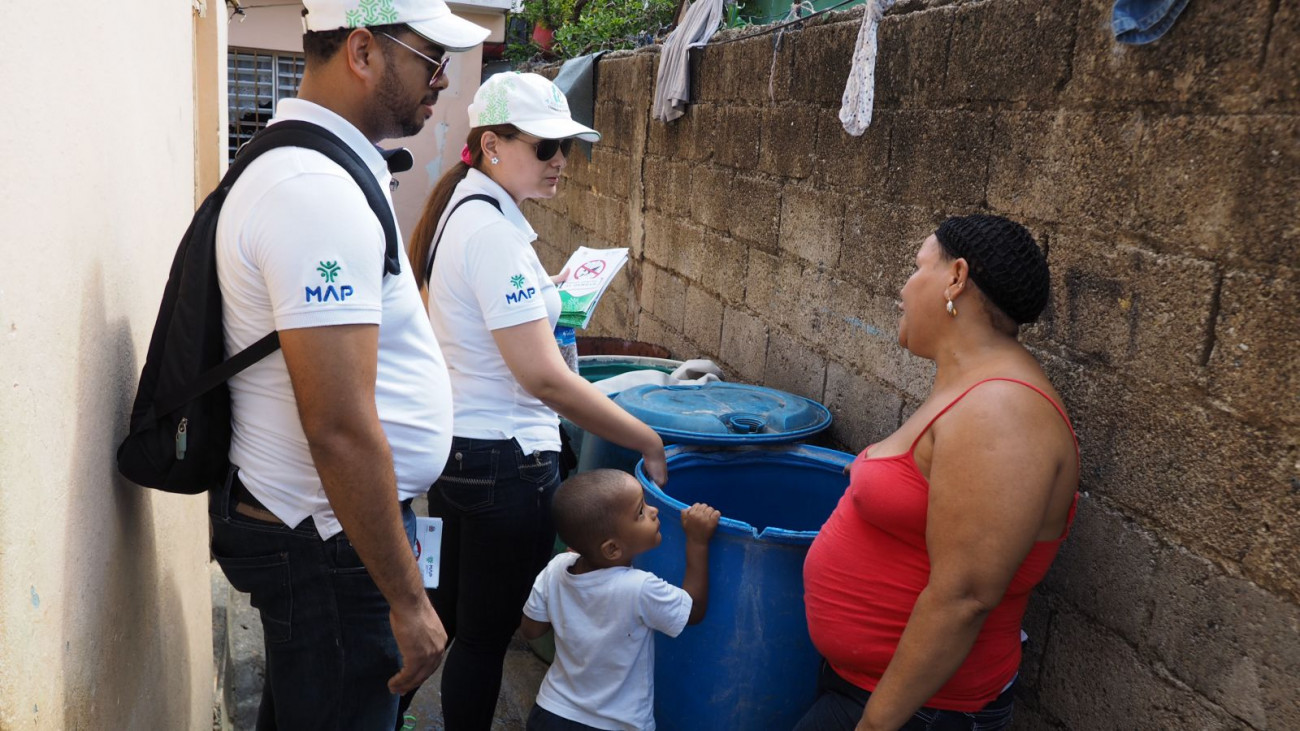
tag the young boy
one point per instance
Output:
(603, 610)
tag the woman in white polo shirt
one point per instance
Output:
(494, 309)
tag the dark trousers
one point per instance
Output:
(495, 502)
(329, 645)
(540, 719)
(840, 705)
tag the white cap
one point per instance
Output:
(431, 19)
(530, 102)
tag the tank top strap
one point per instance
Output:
(1030, 386)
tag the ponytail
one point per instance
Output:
(422, 237)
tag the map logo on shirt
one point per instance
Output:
(520, 294)
(329, 271)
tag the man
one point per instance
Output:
(334, 434)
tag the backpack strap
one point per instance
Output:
(290, 133)
(433, 250)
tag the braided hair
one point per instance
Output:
(1005, 262)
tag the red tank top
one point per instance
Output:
(869, 563)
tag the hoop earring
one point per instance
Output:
(952, 308)
(496, 160)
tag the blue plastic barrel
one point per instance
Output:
(750, 664)
(717, 414)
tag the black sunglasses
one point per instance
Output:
(546, 149)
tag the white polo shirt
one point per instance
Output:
(297, 246)
(486, 276)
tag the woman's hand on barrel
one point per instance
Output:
(656, 464)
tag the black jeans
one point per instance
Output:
(540, 719)
(329, 645)
(839, 707)
(495, 502)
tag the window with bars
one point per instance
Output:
(257, 80)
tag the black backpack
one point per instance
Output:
(180, 423)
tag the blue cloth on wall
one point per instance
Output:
(1142, 21)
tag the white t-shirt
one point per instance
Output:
(297, 246)
(486, 276)
(603, 673)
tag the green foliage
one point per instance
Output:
(602, 24)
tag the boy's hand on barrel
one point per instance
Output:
(699, 522)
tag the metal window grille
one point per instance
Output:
(257, 80)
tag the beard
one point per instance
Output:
(392, 110)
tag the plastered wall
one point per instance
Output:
(1163, 182)
(105, 609)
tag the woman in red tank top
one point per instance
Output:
(916, 586)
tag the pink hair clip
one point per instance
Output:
(465, 157)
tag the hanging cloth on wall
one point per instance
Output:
(1141, 21)
(577, 79)
(860, 90)
(673, 82)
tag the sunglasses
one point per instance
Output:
(439, 64)
(546, 149)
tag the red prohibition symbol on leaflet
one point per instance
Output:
(590, 270)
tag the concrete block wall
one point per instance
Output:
(1162, 181)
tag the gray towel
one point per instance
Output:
(673, 84)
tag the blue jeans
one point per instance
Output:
(495, 502)
(329, 646)
(840, 707)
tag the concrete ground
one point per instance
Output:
(239, 660)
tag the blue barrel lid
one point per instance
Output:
(720, 413)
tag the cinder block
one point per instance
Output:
(1196, 475)
(651, 330)
(627, 80)
(880, 244)
(770, 284)
(812, 224)
(983, 65)
(739, 130)
(703, 325)
(1066, 167)
(1104, 569)
(862, 330)
(1209, 58)
(910, 68)
(740, 71)
(1092, 679)
(1281, 74)
(711, 196)
(744, 345)
(1122, 307)
(616, 124)
(794, 367)
(753, 209)
(1228, 639)
(690, 137)
(669, 299)
(1036, 624)
(858, 166)
(789, 142)
(717, 263)
(865, 408)
(611, 172)
(662, 234)
(1029, 717)
(668, 186)
(823, 55)
(1219, 185)
(940, 157)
